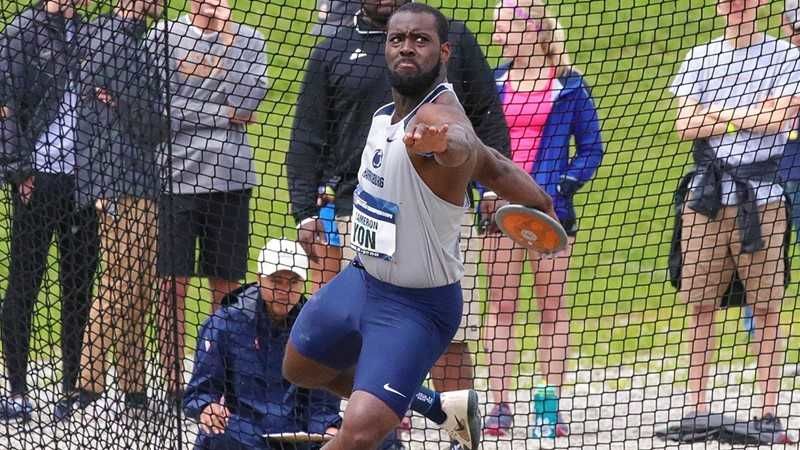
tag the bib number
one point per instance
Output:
(373, 226)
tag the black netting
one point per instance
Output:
(179, 179)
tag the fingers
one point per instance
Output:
(424, 135)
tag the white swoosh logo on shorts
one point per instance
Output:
(393, 390)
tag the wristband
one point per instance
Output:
(327, 191)
(730, 128)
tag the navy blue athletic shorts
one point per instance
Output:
(391, 335)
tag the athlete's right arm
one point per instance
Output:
(511, 183)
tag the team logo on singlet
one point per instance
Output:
(377, 159)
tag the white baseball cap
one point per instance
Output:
(790, 12)
(283, 254)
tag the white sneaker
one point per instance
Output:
(463, 422)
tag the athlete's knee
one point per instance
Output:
(303, 371)
(367, 422)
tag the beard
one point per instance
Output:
(414, 85)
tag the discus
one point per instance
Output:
(299, 436)
(531, 228)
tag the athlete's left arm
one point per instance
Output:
(511, 183)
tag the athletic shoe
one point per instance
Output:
(463, 422)
(695, 427)
(764, 430)
(454, 445)
(562, 427)
(77, 400)
(499, 421)
(15, 408)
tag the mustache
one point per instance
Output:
(406, 61)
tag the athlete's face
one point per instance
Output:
(414, 53)
(281, 291)
(381, 10)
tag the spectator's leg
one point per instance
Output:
(79, 247)
(139, 231)
(32, 226)
(504, 264)
(453, 371)
(178, 229)
(104, 318)
(763, 274)
(171, 330)
(707, 270)
(550, 280)
(699, 332)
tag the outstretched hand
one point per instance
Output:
(424, 138)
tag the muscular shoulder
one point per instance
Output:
(445, 109)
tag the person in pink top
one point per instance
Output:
(547, 106)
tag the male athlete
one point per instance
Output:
(373, 333)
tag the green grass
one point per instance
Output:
(623, 308)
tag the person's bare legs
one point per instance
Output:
(454, 369)
(699, 334)
(771, 344)
(322, 270)
(504, 265)
(367, 420)
(171, 328)
(172, 323)
(549, 286)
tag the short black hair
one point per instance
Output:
(442, 24)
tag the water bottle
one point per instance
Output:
(328, 216)
(545, 412)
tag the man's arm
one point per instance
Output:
(22, 32)
(696, 121)
(511, 183)
(444, 130)
(207, 385)
(250, 79)
(307, 149)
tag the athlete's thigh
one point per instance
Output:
(326, 330)
(402, 341)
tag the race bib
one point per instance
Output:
(373, 227)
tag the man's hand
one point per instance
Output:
(5, 112)
(311, 236)
(214, 418)
(331, 431)
(25, 189)
(488, 209)
(424, 138)
(104, 97)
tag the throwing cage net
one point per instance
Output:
(179, 181)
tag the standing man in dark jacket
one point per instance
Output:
(345, 82)
(119, 126)
(39, 64)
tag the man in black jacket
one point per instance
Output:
(41, 55)
(345, 83)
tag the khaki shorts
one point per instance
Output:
(470, 243)
(712, 252)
